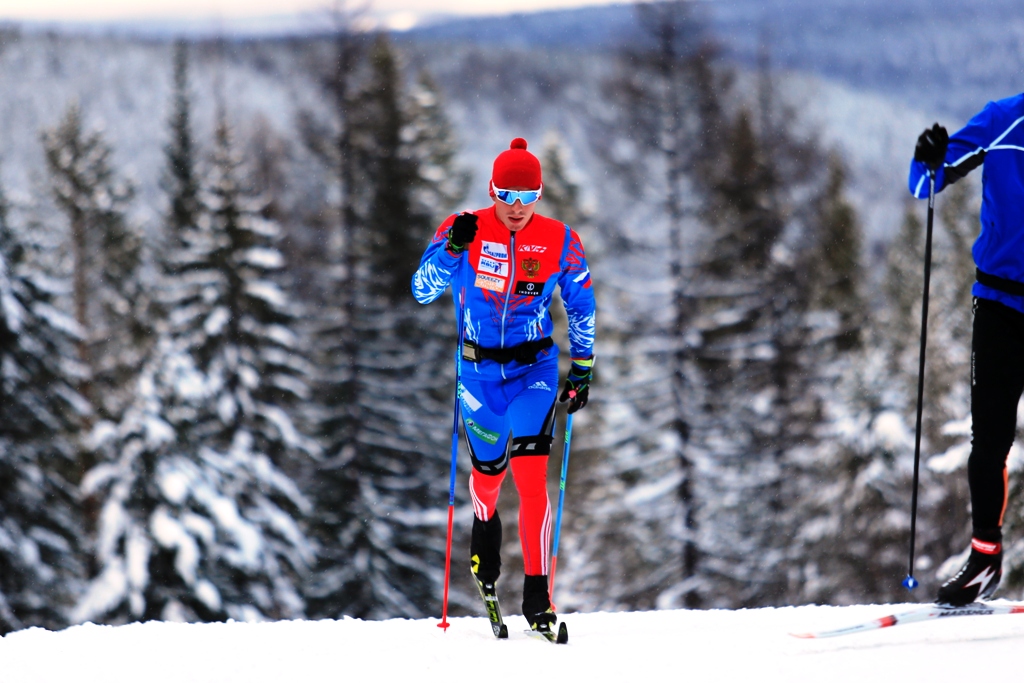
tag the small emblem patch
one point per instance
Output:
(495, 284)
(531, 267)
(529, 288)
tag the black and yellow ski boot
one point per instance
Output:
(538, 612)
(485, 562)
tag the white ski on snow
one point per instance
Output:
(923, 613)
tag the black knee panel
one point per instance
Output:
(490, 467)
(531, 445)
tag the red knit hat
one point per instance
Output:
(515, 167)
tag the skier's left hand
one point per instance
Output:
(577, 385)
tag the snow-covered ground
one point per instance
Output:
(706, 646)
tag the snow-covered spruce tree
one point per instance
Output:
(642, 545)
(752, 359)
(380, 505)
(109, 298)
(110, 301)
(202, 519)
(256, 371)
(848, 546)
(41, 416)
(339, 74)
(138, 576)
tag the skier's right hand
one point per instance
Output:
(931, 146)
(577, 385)
(462, 232)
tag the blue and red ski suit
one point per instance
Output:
(508, 408)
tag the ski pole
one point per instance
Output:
(455, 454)
(910, 583)
(561, 500)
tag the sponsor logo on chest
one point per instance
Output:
(492, 267)
(529, 288)
(533, 248)
(495, 284)
(495, 250)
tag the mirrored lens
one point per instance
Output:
(510, 196)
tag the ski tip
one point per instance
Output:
(803, 635)
(563, 634)
(503, 632)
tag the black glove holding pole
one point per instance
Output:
(931, 147)
(462, 232)
(577, 384)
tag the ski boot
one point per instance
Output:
(485, 563)
(976, 580)
(538, 612)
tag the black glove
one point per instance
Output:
(577, 385)
(462, 232)
(931, 146)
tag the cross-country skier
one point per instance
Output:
(508, 261)
(993, 138)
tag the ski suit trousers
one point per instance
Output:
(509, 424)
(997, 381)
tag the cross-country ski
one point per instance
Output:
(923, 613)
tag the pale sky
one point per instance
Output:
(107, 10)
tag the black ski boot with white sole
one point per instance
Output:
(976, 580)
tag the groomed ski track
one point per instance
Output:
(718, 645)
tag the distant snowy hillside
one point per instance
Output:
(123, 86)
(745, 645)
(938, 53)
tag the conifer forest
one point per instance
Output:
(219, 399)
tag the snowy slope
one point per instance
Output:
(746, 645)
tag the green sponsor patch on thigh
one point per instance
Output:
(483, 434)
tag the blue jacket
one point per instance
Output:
(995, 138)
(509, 279)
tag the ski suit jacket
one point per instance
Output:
(995, 138)
(509, 279)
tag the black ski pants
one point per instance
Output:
(997, 381)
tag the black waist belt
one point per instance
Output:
(1000, 283)
(525, 353)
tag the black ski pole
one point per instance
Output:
(910, 583)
